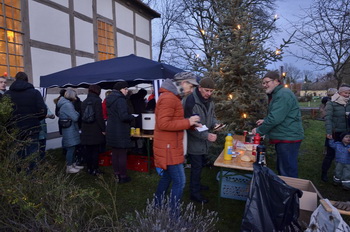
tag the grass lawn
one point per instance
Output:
(133, 195)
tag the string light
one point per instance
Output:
(203, 31)
(276, 16)
(244, 115)
(238, 27)
(278, 52)
(230, 96)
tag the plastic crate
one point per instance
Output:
(105, 159)
(139, 163)
(234, 186)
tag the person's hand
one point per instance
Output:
(254, 131)
(259, 122)
(329, 136)
(195, 120)
(51, 116)
(212, 137)
(104, 133)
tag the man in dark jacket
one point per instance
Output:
(200, 103)
(29, 109)
(118, 129)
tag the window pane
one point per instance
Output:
(3, 47)
(3, 59)
(19, 61)
(13, 71)
(11, 47)
(9, 24)
(2, 35)
(18, 38)
(12, 60)
(19, 49)
(2, 69)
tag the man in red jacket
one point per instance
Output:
(168, 142)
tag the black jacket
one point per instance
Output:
(118, 123)
(91, 133)
(29, 106)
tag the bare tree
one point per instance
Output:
(324, 35)
(292, 72)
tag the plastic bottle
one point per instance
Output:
(228, 147)
(260, 153)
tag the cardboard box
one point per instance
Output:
(310, 199)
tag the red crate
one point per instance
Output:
(105, 159)
(139, 163)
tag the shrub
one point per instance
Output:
(160, 219)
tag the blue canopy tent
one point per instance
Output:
(132, 69)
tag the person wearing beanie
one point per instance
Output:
(282, 125)
(336, 122)
(200, 103)
(168, 144)
(342, 160)
(93, 133)
(118, 129)
(29, 109)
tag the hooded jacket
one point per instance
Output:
(29, 106)
(170, 123)
(118, 122)
(70, 135)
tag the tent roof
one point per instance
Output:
(133, 69)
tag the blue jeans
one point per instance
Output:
(175, 174)
(287, 159)
(70, 155)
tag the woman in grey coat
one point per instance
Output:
(118, 129)
(70, 135)
(337, 111)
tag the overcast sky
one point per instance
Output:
(288, 11)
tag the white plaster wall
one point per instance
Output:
(62, 2)
(142, 27)
(124, 18)
(104, 7)
(84, 60)
(48, 25)
(125, 45)
(46, 62)
(84, 36)
(84, 7)
(143, 50)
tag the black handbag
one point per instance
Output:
(65, 123)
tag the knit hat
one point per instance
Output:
(331, 91)
(186, 76)
(342, 135)
(207, 83)
(343, 88)
(120, 85)
(95, 89)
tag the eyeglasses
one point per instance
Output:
(266, 82)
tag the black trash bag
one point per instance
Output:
(272, 205)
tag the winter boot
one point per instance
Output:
(71, 169)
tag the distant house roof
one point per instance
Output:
(143, 8)
(322, 85)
